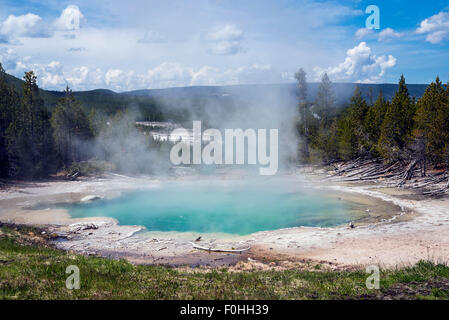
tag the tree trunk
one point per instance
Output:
(423, 167)
(408, 174)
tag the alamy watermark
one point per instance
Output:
(73, 280)
(190, 150)
(71, 18)
(373, 281)
(373, 20)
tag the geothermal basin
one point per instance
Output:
(222, 206)
(156, 220)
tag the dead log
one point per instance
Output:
(219, 250)
(408, 174)
(429, 181)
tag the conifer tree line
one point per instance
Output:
(402, 129)
(33, 141)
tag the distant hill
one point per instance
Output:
(343, 91)
(157, 104)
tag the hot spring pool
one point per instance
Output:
(221, 207)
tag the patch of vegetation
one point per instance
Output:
(31, 269)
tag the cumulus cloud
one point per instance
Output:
(12, 62)
(77, 77)
(28, 25)
(224, 48)
(51, 75)
(227, 33)
(117, 79)
(363, 33)
(31, 25)
(436, 28)
(70, 19)
(384, 35)
(205, 76)
(169, 74)
(173, 74)
(360, 65)
(226, 40)
(388, 34)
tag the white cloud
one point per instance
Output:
(54, 65)
(112, 75)
(168, 71)
(31, 25)
(224, 48)
(54, 75)
(190, 57)
(51, 75)
(360, 65)
(77, 77)
(70, 19)
(436, 28)
(363, 32)
(49, 79)
(228, 33)
(119, 80)
(227, 40)
(12, 63)
(28, 25)
(206, 76)
(388, 34)
(384, 35)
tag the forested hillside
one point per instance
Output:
(151, 103)
(43, 132)
(402, 129)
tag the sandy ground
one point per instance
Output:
(415, 229)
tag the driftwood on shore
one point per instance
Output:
(219, 250)
(396, 174)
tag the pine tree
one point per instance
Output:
(30, 145)
(71, 129)
(347, 140)
(8, 101)
(325, 101)
(321, 127)
(373, 122)
(397, 125)
(352, 133)
(301, 78)
(97, 122)
(432, 122)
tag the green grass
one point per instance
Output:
(30, 269)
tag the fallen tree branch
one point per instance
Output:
(219, 250)
(408, 174)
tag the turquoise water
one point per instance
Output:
(209, 207)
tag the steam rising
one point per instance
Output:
(132, 150)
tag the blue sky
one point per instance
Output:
(154, 44)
